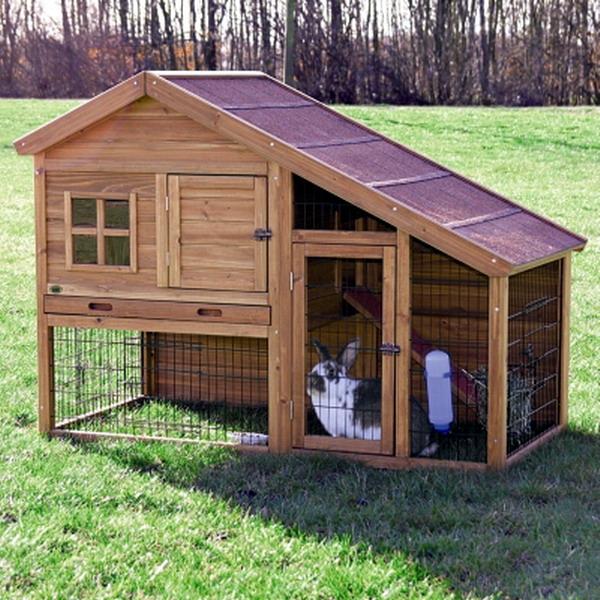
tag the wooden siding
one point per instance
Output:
(211, 369)
(57, 184)
(149, 137)
(212, 222)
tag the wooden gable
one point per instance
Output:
(149, 137)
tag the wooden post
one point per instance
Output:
(403, 340)
(298, 341)
(280, 296)
(497, 372)
(44, 332)
(565, 330)
(388, 333)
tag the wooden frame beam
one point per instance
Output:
(497, 372)
(83, 116)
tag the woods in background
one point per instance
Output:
(516, 52)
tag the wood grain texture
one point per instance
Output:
(158, 325)
(497, 372)
(148, 137)
(403, 321)
(565, 339)
(44, 332)
(280, 294)
(298, 344)
(361, 238)
(133, 291)
(82, 116)
(162, 230)
(212, 243)
(185, 311)
(388, 362)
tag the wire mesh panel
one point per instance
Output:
(535, 306)
(449, 312)
(343, 336)
(160, 384)
(316, 208)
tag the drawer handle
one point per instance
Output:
(100, 306)
(209, 312)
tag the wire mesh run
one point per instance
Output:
(343, 336)
(533, 396)
(164, 385)
(316, 208)
(449, 306)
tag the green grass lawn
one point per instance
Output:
(125, 520)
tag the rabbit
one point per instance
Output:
(351, 408)
(346, 407)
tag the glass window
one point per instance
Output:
(116, 214)
(84, 212)
(117, 250)
(85, 249)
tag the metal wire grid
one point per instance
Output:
(316, 208)
(535, 306)
(449, 312)
(334, 317)
(162, 385)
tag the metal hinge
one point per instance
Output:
(291, 281)
(389, 348)
(262, 234)
(291, 410)
(167, 203)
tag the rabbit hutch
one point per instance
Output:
(223, 259)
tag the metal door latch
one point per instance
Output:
(262, 234)
(389, 348)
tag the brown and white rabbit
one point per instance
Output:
(351, 408)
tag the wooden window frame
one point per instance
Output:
(100, 232)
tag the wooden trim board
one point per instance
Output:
(497, 372)
(158, 325)
(181, 311)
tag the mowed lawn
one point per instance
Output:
(126, 520)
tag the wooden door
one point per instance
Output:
(212, 225)
(343, 313)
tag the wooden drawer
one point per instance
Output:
(172, 311)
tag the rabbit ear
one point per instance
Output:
(321, 350)
(348, 353)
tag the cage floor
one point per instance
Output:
(178, 419)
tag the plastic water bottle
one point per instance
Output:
(439, 390)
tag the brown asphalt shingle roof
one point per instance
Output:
(469, 210)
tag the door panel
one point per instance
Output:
(343, 313)
(212, 220)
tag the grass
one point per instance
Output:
(124, 520)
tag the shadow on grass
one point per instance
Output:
(529, 533)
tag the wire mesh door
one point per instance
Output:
(343, 344)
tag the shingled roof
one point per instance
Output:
(405, 188)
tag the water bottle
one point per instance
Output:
(439, 390)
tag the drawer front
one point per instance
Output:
(173, 311)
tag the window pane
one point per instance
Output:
(117, 250)
(84, 212)
(116, 214)
(85, 251)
